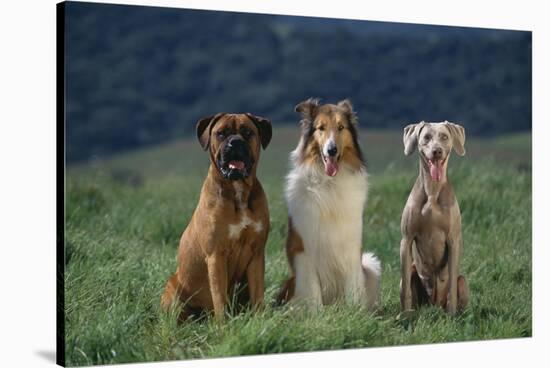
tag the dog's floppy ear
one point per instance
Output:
(348, 110)
(410, 136)
(264, 127)
(308, 110)
(458, 136)
(204, 127)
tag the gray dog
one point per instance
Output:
(431, 243)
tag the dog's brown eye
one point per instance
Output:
(246, 133)
(221, 134)
(427, 137)
(321, 128)
(340, 127)
(444, 137)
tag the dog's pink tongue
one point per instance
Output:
(239, 165)
(331, 166)
(436, 170)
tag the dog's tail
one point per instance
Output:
(372, 269)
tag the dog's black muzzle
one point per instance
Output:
(235, 159)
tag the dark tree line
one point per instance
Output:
(143, 75)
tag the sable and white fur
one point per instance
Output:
(326, 214)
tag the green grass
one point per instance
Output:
(124, 217)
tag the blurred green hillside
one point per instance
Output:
(382, 150)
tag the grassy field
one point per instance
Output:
(124, 217)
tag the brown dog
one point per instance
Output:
(223, 244)
(431, 244)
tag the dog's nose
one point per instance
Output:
(437, 153)
(235, 142)
(332, 151)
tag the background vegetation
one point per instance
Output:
(143, 75)
(125, 216)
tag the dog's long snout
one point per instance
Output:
(331, 149)
(437, 153)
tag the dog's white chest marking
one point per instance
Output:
(236, 229)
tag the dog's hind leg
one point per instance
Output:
(172, 298)
(170, 294)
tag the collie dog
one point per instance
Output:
(326, 191)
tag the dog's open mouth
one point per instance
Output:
(234, 166)
(331, 164)
(436, 169)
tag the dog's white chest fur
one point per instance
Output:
(236, 229)
(327, 213)
(245, 221)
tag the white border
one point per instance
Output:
(27, 118)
